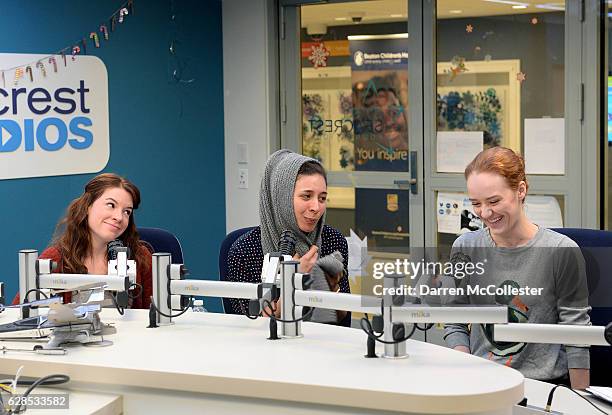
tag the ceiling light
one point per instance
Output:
(396, 15)
(340, 19)
(551, 6)
(455, 11)
(511, 3)
(378, 37)
(519, 6)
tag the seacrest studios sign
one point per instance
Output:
(57, 123)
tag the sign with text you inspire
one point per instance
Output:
(56, 124)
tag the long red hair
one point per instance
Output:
(72, 236)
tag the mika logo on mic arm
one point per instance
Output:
(54, 123)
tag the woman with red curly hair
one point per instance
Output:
(103, 213)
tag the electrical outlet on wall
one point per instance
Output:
(243, 178)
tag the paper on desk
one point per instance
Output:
(544, 211)
(545, 145)
(456, 149)
(601, 392)
(455, 214)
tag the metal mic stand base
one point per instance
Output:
(402, 356)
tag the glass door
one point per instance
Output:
(346, 93)
(502, 74)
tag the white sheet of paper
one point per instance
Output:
(544, 211)
(602, 392)
(358, 255)
(545, 145)
(456, 149)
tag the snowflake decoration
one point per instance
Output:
(534, 20)
(318, 55)
(521, 77)
(469, 28)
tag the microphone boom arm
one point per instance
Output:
(36, 274)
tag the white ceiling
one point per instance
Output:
(379, 11)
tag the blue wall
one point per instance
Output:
(165, 137)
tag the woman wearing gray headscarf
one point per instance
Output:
(293, 197)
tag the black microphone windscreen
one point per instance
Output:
(459, 257)
(458, 273)
(112, 249)
(286, 245)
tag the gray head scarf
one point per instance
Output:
(276, 211)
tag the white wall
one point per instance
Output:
(250, 102)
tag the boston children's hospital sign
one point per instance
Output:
(54, 122)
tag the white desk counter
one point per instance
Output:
(224, 364)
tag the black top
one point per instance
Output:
(246, 256)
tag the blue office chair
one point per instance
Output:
(223, 252)
(162, 241)
(599, 278)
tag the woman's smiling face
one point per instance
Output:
(109, 215)
(309, 200)
(495, 202)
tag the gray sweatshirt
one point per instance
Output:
(551, 262)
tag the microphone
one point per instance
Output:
(286, 244)
(460, 257)
(456, 259)
(113, 248)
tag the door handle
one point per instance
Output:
(414, 187)
(412, 183)
(402, 184)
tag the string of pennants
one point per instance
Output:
(54, 60)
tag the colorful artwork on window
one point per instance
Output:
(471, 111)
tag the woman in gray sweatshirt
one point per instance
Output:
(538, 273)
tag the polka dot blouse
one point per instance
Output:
(245, 259)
